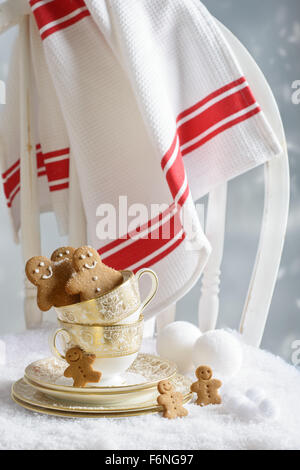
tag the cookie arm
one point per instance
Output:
(194, 387)
(68, 372)
(44, 304)
(162, 400)
(178, 396)
(74, 285)
(90, 358)
(216, 383)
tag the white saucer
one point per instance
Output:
(137, 385)
(26, 394)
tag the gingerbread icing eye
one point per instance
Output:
(36, 270)
(90, 254)
(60, 255)
(67, 252)
(82, 257)
(42, 263)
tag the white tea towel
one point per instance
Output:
(52, 143)
(156, 111)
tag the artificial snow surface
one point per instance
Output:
(212, 427)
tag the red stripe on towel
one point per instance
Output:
(215, 114)
(57, 170)
(210, 97)
(142, 248)
(220, 130)
(11, 183)
(10, 169)
(58, 187)
(146, 227)
(57, 14)
(10, 201)
(162, 255)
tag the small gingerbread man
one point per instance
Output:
(63, 253)
(92, 277)
(50, 278)
(170, 401)
(206, 387)
(80, 368)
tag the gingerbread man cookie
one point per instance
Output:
(80, 368)
(92, 277)
(206, 387)
(63, 253)
(170, 401)
(50, 279)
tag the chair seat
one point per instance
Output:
(204, 428)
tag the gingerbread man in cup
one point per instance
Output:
(92, 277)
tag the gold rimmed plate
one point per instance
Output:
(69, 414)
(27, 394)
(146, 371)
(107, 400)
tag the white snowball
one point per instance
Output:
(176, 341)
(234, 402)
(247, 410)
(268, 409)
(221, 351)
(255, 394)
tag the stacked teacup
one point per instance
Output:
(109, 326)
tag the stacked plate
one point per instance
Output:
(44, 389)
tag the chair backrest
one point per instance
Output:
(274, 221)
(15, 12)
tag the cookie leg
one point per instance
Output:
(78, 382)
(168, 414)
(182, 412)
(94, 377)
(216, 400)
(200, 402)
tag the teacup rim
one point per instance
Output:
(102, 325)
(85, 302)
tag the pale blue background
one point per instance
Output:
(270, 29)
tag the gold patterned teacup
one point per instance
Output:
(119, 304)
(115, 346)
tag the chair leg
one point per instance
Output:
(30, 223)
(208, 309)
(149, 328)
(269, 252)
(33, 315)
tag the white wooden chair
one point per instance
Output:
(274, 221)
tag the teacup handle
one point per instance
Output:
(52, 343)
(154, 286)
